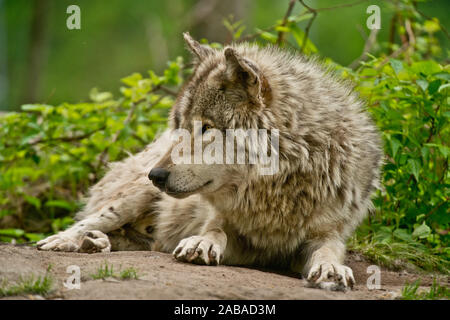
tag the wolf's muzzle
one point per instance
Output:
(159, 177)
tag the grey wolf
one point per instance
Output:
(299, 218)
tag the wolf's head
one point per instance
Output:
(227, 91)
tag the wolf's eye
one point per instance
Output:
(206, 127)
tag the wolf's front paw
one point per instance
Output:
(199, 250)
(59, 242)
(95, 241)
(331, 276)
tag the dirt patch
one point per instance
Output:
(161, 277)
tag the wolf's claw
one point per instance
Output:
(198, 250)
(59, 242)
(95, 241)
(331, 276)
(89, 242)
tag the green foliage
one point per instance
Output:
(436, 291)
(40, 285)
(50, 155)
(107, 271)
(409, 100)
(129, 274)
(410, 105)
(397, 254)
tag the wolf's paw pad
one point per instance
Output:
(331, 276)
(59, 242)
(198, 250)
(95, 241)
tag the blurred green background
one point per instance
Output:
(42, 61)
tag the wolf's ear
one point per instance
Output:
(196, 48)
(242, 70)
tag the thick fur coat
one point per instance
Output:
(300, 217)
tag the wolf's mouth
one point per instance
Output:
(184, 194)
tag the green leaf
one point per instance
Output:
(444, 86)
(60, 204)
(431, 26)
(33, 201)
(422, 231)
(414, 168)
(13, 233)
(34, 236)
(395, 145)
(425, 152)
(444, 150)
(434, 86)
(282, 29)
(37, 107)
(442, 75)
(300, 17)
(426, 67)
(397, 65)
(132, 80)
(97, 96)
(268, 36)
(423, 84)
(403, 234)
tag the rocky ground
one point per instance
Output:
(161, 277)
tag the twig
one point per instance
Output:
(339, 6)
(411, 40)
(406, 45)
(66, 139)
(280, 38)
(361, 32)
(316, 11)
(409, 31)
(256, 34)
(371, 40)
(167, 90)
(436, 207)
(394, 54)
(309, 9)
(310, 22)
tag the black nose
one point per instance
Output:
(159, 177)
